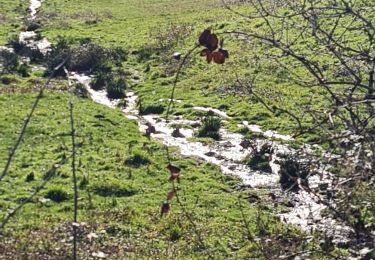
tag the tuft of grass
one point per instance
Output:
(210, 127)
(57, 194)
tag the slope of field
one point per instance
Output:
(10, 13)
(122, 182)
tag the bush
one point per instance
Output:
(107, 189)
(175, 232)
(57, 194)
(9, 61)
(32, 26)
(210, 127)
(259, 163)
(118, 55)
(88, 57)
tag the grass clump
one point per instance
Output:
(210, 127)
(115, 87)
(150, 109)
(57, 194)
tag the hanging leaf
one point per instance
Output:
(224, 52)
(204, 37)
(170, 195)
(213, 42)
(150, 129)
(165, 208)
(209, 40)
(209, 57)
(218, 57)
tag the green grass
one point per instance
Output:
(136, 27)
(114, 196)
(10, 13)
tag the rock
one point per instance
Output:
(210, 154)
(177, 134)
(245, 144)
(253, 198)
(176, 55)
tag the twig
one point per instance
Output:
(182, 63)
(73, 166)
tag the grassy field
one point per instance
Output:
(10, 13)
(152, 30)
(119, 200)
(122, 175)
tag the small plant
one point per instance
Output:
(210, 127)
(84, 182)
(175, 232)
(57, 194)
(9, 61)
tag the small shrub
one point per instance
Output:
(112, 188)
(259, 163)
(8, 79)
(15, 44)
(32, 25)
(118, 55)
(122, 103)
(99, 81)
(9, 61)
(57, 194)
(175, 232)
(88, 57)
(210, 127)
(59, 52)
